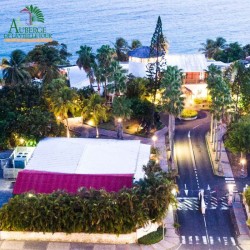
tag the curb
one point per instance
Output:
(210, 157)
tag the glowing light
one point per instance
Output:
(90, 123)
(21, 140)
(243, 161)
(154, 138)
(119, 120)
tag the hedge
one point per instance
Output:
(152, 238)
(189, 113)
(90, 211)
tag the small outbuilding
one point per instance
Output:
(72, 163)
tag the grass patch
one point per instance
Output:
(153, 237)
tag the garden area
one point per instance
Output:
(92, 211)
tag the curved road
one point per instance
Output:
(214, 230)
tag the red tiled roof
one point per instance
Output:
(47, 182)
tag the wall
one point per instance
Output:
(81, 237)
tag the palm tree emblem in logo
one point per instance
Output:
(35, 14)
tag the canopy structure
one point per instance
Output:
(71, 163)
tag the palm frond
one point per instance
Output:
(37, 15)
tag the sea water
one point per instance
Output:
(186, 23)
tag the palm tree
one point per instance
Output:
(63, 102)
(172, 99)
(239, 76)
(121, 47)
(105, 56)
(96, 109)
(211, 47)
(86, 59)
(46, 59)
(15, 70)
(118, 79)
(219, 90)
(121, 109)
(135, 44)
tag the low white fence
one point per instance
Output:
(81, 237)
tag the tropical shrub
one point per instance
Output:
(152, 238)
(91, 211)
(202, 100)
(188, 113)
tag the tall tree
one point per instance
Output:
(85, 60)
(15, 70)
(211, 47)
(118, 79)
(64, 101)
(219, 89)
(46, 58)
(239, 76)
(121, 47)
(95, 109)
(158, 48)
(135, 44)
(105, 55)
(172, 101)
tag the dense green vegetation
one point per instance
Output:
(238, 136)
(220, 50)
(152, 238)
(91, 211)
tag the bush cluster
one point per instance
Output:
(188, 113)
(90, 211)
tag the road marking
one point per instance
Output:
(203, 240)
(205, 223)
(196, 126)
(190, 240)
(197, 240)
(230, 182)
(229, 178)
(183, 239)
(233, 241)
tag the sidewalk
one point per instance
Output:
(224, 170)
(171, 240)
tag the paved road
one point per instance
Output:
(215, 229)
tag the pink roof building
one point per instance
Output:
(71, 163)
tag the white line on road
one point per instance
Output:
(206, 232)
(196, 126)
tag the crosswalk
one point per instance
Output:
(193, 203)
(210, 240)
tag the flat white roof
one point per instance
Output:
(90, 156)
(187, 62)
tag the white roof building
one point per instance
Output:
(90, 156)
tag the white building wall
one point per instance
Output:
(138, 69)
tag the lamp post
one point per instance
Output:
(154, 139)
(242, 162)
(119, 129)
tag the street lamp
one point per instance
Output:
(154, 139)
(243, 162)
(21, 140)
(230, 194)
